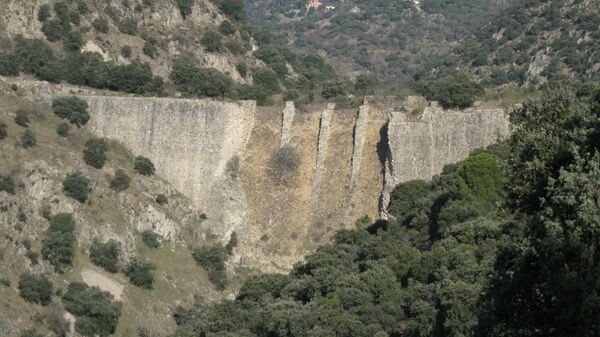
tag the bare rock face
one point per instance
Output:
(217, 154)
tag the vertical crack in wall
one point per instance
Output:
(357, 155)
(321, 154)
(286, 124)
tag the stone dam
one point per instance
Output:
(218, 153)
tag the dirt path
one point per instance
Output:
(94, 278)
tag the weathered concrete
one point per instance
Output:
(350, 162)
(286, 125)
(189, 142)
(322, 152)
(420, 147)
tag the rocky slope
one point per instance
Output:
(155, 31)
(38, 173)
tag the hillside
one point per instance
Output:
(532, 43)
(388, 40)
(32, 197)
(153, 32)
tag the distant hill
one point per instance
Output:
(531, 43)
(388, 39)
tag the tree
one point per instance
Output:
(162, 199)
(233, 8)
(7, 184)
(120, 182)
(28, 139)
(212, 41)
(72, 109)
(63, 129)
(232, 243)
(143, 166)
(58, 249)
(140, 273)
(62, 222)
(333, 88)
(544, 284)
(185, 7)
(226, 28)
(97, 312)
(94, 152)
(212, 258)
(100, 25)
(456, 91)
(35, 289)
(21, 118)
(150, 239)
(43, 13)
(76, 186)
(105, 255)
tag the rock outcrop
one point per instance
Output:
(217, 154)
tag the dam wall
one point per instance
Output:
(350, 161)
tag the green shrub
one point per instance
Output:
(75, 17)
(242, 68)
(333, 88)
(73, 42)
(233, 241)
(212, 42)
(120, 182)
(3, 132)
(35, 289)
(32, 55)
(162, 199)
(150, 239)
(94, 152)
(72, 109)
(144, 166)
(97, 312)
(185, 7)
(126, 51)
(28, 139)
(202, 82)
(212, 258)
(128, 26)
(76, 186)
(9, 65)
(481, 178)
(82, 7)
(58, 249)
(140, 273)
(100, 25)
(61, 10)
(266, 80)
(55, 30)
(106, 255)
(233, 8)
(150, 48)
(62, 222)
(451, 91)
(21, 118)
(284, 162)
(226, 28)
(7, 184)
(63, 129)
(43, 13)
